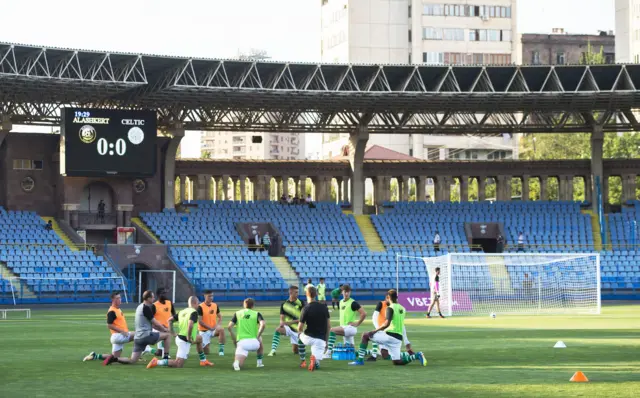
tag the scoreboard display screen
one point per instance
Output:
(108, 142)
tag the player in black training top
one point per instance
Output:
(316, 317)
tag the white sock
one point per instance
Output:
(147, 349)
(259, 361)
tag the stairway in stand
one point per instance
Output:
(18, 284)
(61, 234)
(137, 222)
(499, 274)
(286, 270)
(368, 230)
(595, 229)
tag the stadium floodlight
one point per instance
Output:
(514, 283)
(65, 286)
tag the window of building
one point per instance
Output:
(505, 35)
(433, 9)
(433, 58)
(429, 33)
(609, 58)
(560, 60)
(409, 35)
(482, 35)
(492, 11)
(508, 12)
(26, 164)
(432, 153)
(409, 10)
(535, 57)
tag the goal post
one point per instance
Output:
(514, 283)
(42, 288)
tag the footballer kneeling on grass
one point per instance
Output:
(389, 335)
(187, 334)
(250, 326)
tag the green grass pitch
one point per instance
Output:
(510, 356)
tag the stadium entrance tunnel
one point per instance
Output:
(485, 236)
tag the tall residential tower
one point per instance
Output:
(451, 32)
(628, 31)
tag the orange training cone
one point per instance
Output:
(579, 377)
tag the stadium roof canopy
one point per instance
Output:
(234, 95)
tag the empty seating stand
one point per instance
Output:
(214, 223)
(547, 225)
(48, 270)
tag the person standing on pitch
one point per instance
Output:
(250, 326)
(145, 323)
(335, 297)
(315, 316)
(321, 288)
(117, 325)
(349, 321)
(390, 335)
(210, 323)
(435, 294)
(187, 334)
(309, 284)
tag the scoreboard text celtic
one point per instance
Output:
(101, 142)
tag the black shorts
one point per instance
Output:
(140, 345)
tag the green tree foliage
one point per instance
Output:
(205, 155)
(578, 146)
(592, 58)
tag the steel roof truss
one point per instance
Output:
(623, 81)
(8, 63)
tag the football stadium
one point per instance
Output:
(123, 265)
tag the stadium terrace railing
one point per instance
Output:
(236, 289)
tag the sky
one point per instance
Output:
(289, 30)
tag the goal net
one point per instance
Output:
(522, 283)
(152, 279)
(77, 289)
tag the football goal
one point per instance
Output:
(164, 278)
(513, 283)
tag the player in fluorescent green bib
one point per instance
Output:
(250, 325)
(390, 334)
(351, 316)
(187, 334)
(321, 289)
